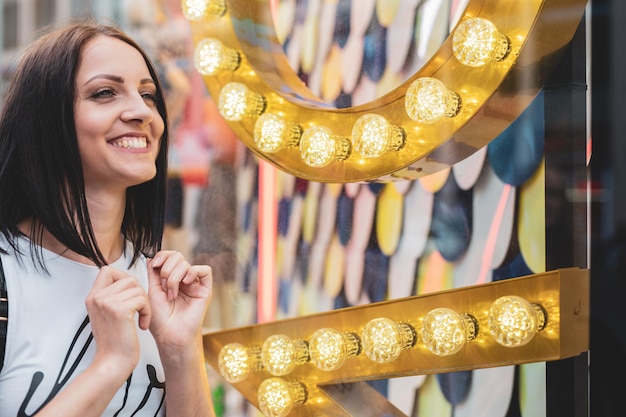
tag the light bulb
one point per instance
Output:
(319, 147)
(211, 56)
(428, 100)
(329, 348)
(278, 397)
(383, 339)
(513, 321)
(273, 133)
(280, 354)
(444, 331)
(203, 9)
(477, 41)
(236, 101)
(237, 361)
(373, 135)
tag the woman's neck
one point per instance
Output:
(106, 221)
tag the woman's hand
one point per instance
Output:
(113, 304)
(179, 295)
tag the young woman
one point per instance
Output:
(102, 322)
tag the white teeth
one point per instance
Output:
(132, 143)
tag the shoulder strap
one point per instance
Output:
(4, 313)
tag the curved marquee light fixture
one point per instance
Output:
(492, 66)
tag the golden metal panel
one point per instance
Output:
(564, 294)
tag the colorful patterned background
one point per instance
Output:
(339, 245)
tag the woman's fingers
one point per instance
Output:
(116, 293)
(172, 269)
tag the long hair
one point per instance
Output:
(41, 174)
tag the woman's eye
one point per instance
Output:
(149, 96)
(104, 92)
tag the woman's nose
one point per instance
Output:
(138, 109)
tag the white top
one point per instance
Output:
(49, 340)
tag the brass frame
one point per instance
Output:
(564, 294)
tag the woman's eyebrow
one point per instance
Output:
(117, 79)
(111, 77)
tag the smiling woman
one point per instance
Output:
(83, 165)
(491, 95)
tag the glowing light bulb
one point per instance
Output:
(280, 354)
(477, 41)
(329, 348)
(373, 135)
(319, 147)
(211, 56)
(383, 339)
(236, 101)
(278, 397)
(236, 362)
(203, 9)
(427, 100)
(444, 331)
(513, 321)
(273, 133)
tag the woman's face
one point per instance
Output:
(117, 122)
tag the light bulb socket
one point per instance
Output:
(408, 336)
(216, 8)
(471, 327)
(397, 138)
(343, 146)
(298, 392)
(542, 316)
(256, 104)
(197, 10)
(255, 359)
(301, 351)
(353, 344)
(453, 104)
(231, 59)
(293, 133)
(502, 48)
